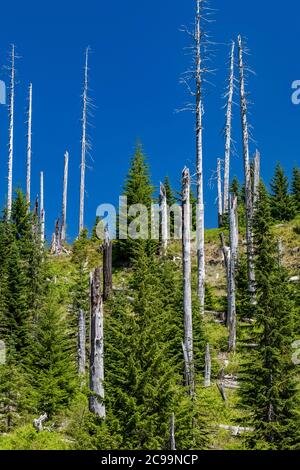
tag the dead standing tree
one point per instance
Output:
(256, 177)
(11, 133)
(29, 138)
(194, 79)
(163, 220)
(84, 142)
(107, 265)
(187, 288)
(42, 208)
(207, 375)
(96, 402)
(228, 132)
(220, 202)
(64, 200)
(233, 224)
(247, 171)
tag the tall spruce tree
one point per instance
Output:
(283, 208)
(268, 376)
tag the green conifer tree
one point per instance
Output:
(283, 208)
(296, 188)
(268, 378)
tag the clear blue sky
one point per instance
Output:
(135, 68)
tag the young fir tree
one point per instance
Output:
(144, 379)
(21, 281)
(283, 208)
(296, 188)
(268, 377)
(51, 359)
(138, 190)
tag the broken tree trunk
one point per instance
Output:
(172, 432)
(96, 401)
(11, 133)
(207, 377)
(163, 220)
(228, 131)
(247, 171)
(55, 248)
(187, 289)
(220, 201)
(64, 200)
(199, 160)
(107, 266)
(81, 342)
(29, 134)
(38, 423)
(256, 177)
(227, 256)
(42, 208)
(83, 143)
(232, 273)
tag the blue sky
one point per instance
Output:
(135, 67)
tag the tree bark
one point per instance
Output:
(172, 432)
(207, 377)
(256, 177)
(232, 274)
(81, 342)
(65, 198)
(199, 162)
(163, 220)
(187, 290)
(220, 201)
(11, 134)
(29, 135)
(42, 208)
(107, 266)
(247, 171)
(228, 131)
(83, 143)
(96, 402)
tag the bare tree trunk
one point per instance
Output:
(220, 201)
(65, 197)
(228, 131)
(163, 220)
(42, 208)
(199, 161)
(227, 257)
(207, 377)
(83, 143)
(29, 135)
(232, 274)
(107, 266)
(187, 290)
(172, 432)
(81, 342)
(256, 177)
(247, 170)
(97, 405)
(11, 133)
